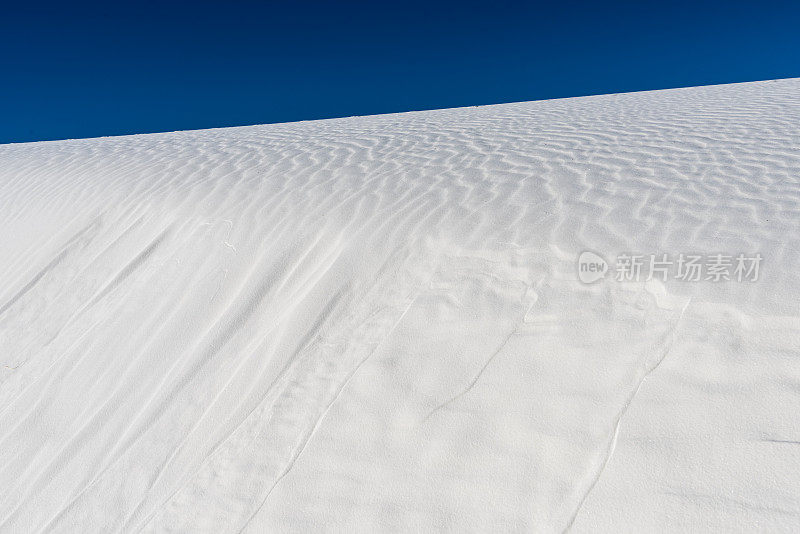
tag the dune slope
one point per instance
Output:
(377, 323)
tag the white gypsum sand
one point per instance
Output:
(376, 324)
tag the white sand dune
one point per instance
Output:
(376, 324)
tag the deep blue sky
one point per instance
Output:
(75, 69)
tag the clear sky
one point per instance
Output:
(77, 69)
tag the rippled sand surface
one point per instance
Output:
(375, 324)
